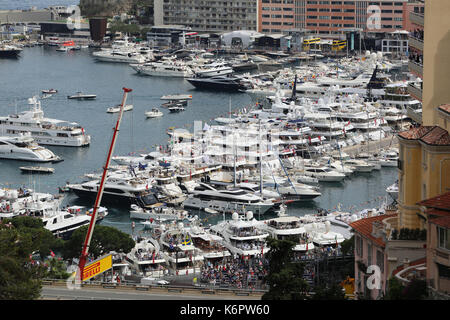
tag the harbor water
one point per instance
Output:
(69, 72)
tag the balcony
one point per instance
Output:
(416, 68)
(415, 91)
(417, 18)
(415, 43)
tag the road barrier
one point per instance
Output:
(168, 288)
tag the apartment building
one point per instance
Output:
(208, 15)
(329, 16)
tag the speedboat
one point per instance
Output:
(116, 109)
(154, 113)
(24, 147)
(49, 91)
(176, 108)
(80, 96)
(37, 169)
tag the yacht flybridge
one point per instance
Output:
(45, 131)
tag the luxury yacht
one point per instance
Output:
(121, 56)
(157, 212)
(178, 249)
(45, 131)
(164, 68)
(242, 236)
(205, 196)
(146, 259)
(289, 227)
(324, 173)
(118, 188)
(23, 147)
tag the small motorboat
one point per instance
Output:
(171, 103)
(154, 113)
(49, 91)
(80, 96)
(37, 169)
(176, 108)
(177, 97)
(115, 109)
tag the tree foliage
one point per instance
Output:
(285, 277)
(104, 239)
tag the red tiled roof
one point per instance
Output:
(364, 227)
(431, 135)
(415, 133)
(441, 202)
(445, 108)
(436, 137)
(443, 221)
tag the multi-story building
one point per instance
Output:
(423, 172)
(330, 16)
(208, 15)
(415, 52)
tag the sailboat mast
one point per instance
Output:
(90, 231)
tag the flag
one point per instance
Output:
(52, 253)
(153, 257)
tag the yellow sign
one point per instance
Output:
(97, 267)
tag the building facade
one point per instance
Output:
(330, 16)
(208, 15)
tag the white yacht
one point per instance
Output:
(63, 223)
(324, 173)
(178, 249)
(242, 236)
(157, 212)
(154, 113)
(210, 244)
(392, 190)
(120, 56)
(23, 147)
(164, 68)
(213, 69)
(45, 131)
(146, 259)
(205, 196)
(116, 109)
(321, 234)
(285, 227)
(388, 158)
(118, 188)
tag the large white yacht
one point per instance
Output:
(118, 188)
(231, 200)
(179, 251)
(289, 227)
(242, 236)
(45, 131)
(23, 147)
(165, 68)
(146, 259)
(120, 55)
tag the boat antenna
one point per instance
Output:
(85, 250)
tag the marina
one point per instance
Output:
(205, 183)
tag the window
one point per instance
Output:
(443, 238)
(380, 260)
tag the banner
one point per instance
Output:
(97, 267)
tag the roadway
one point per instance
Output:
(99, 293)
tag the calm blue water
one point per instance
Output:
(40, 68)
(40, 4)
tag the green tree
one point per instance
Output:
(19, 278)
(328, 292)
(285, 277)
(104, 240)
